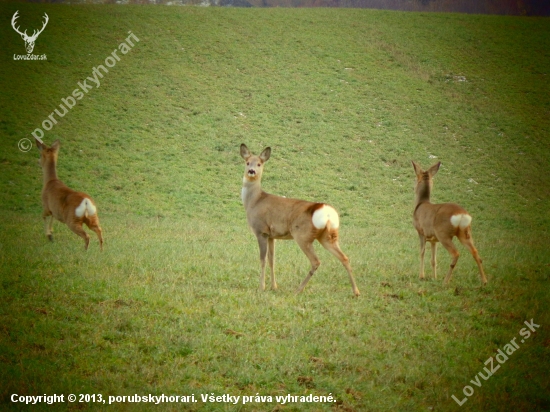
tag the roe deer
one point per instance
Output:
(66, 205)
(274, 217)
(440, 223)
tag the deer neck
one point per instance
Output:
(50, 172)
(423, 192)
(251, 191)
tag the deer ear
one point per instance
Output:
(265, 154)
(433, 170)
(417, 169)
(245, 153)
(56, 145)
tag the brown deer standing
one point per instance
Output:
(440, 223)
(66, 205)
(274, 217)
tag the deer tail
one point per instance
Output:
(86, 208)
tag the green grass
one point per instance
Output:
(346, 99)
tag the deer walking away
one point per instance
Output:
(441, 223)
(60, 202)
(273, 217)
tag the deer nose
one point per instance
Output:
(251, 172)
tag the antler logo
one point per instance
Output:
(29, 40)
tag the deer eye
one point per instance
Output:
(259, 164)
(248, 163)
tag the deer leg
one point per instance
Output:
(469, 243)
(50, 229)
(422, 251)
(93, 224)
(271, 258)
(48, 226)
(307, 248)
(76, 227)
(434, 261)
(451, 248)
(334, 248)
(262, 243)
(98, 232)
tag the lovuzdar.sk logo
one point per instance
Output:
(29, 40)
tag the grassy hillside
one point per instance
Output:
(346, 99)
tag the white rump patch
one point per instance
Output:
(322, 215)
(463, 220)
(85, 207)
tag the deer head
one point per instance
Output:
(29, 40)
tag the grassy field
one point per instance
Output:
(346, 99)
